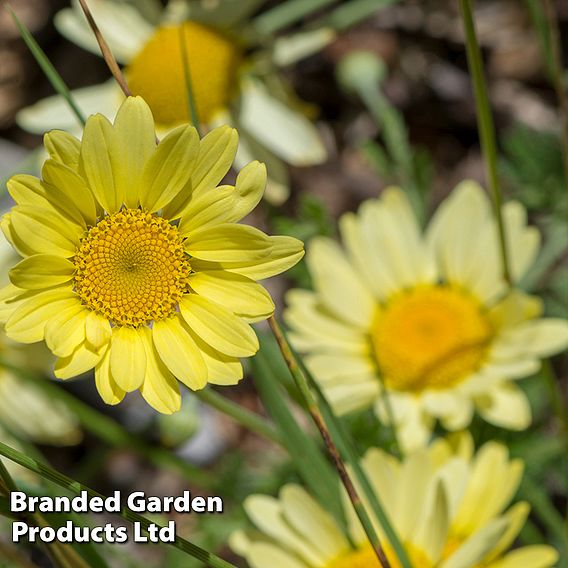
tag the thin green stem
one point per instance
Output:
(187, 77)
(557, 400)
(46, 66)
(348, 450)
(558, 76)
(242, 416)
(486, 129)
(317, 417)
(65, 482)
(111, 431)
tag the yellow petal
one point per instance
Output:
(10, 298)
(179, 352)
(65, 331)
(83, 359)
(72, 188)
(127, 357)
(41, 271)
(28, 321)
(19, 244)
(218, 327)
(133, 142)
(169, 169)
(228, 242)
(45, 231)
(237, 293)
(216, 154)
(63, 147)
(96, 162)
(109, 390)
(250, 186)
(97, 330)
(159, 389)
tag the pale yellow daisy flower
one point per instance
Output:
(426, 314)
(25, 409)
(133, 261)
(226, 85)
(448, 507)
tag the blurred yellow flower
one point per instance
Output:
(134, 263)
(25, 410)
(426, 315)
(447, 505)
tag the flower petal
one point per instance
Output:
(65, 330)
(63, 147)
(179, 352)
(127, 357)
(82, 359)
(97, 330)
(217, 326)
(41, 271)
(108, 388)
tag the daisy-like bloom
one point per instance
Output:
(25, 409)
(427, 315)
(447, 506)
(224, 88)
(133, 261)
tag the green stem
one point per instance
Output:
(557, 400)
(46, 66)
(241, 415)
(486, 128)
(317, 417)
(188, 83)
(347, 449)
(62, 480)
(112, 432)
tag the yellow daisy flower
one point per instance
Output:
(447, 505)
(133, 261)
(426, 314)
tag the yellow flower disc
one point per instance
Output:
(366, 557)
(157, 73)
(131, 268)
(431, 337)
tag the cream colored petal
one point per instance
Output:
(45, 231)
(289, 134)
(267, 514)
(54, 112)
(132, 146)
(262, 554)
(314, 327)
(339, 285)
(515, 308)
(454, 409)
(542, 337)
(160, 388)
(83, 359)
(505, 405)
(346, 398)
(341, 368)
(179, 352)
(73, 189)
(517, 516)
(221, 369)
(228, 242)
(127, 357)
(237, 293)
(63, 147)
(307, 518)
(535, 556)
(285, 252)
(65, 331)
(170, 167)
(218, 327)
(97, 330)
(473, 550)
(108, 388)
(122, 25)
(96, 163)
(27, 323)
(41, 271)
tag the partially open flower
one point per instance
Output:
(133, 261)
(447, 506)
